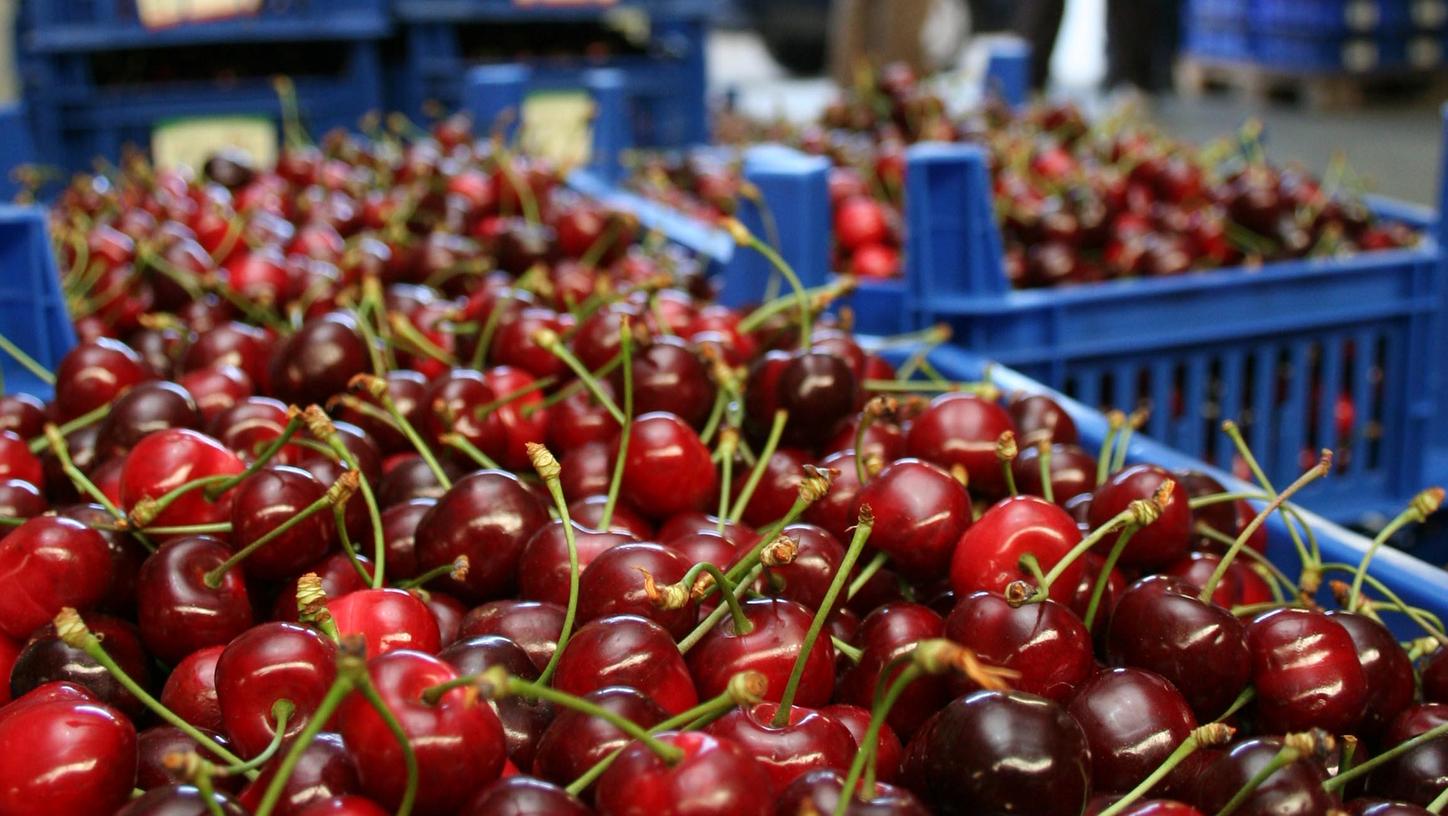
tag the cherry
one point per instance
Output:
(190, 690)
(771, 647)
(458, 740)
(819, 792)
(524, 721)
(627, 650)
(325, 770)
(451, 403)
(93, 374)
(46, 658)
(1044, 641)
(613, 584)
(408, 392)
(1037, 417)
(575, 742)
(962, 429)
(235, 344)
(180, 800)
(533, 625)
(167, 459)
(271, 662)
(667, 469)
(809, 740)
(318, 361)
(1157, 544)
(399, 532)
(1133, 720)
(587, 470)
(1073, 472)
(579, 419)
(342, 806)
(994, 752)
(144, 409)
(17, 462)
(920, 514)
(1419, 775)
(179, 613)
(888, 750)
(1142, 807)
(715, 776)
(250, 426)
(65, 757)
(777, 488)
(887, 633)
(1294, 789)
(386, 620)
(1160, 625)
(818, 391)
(1306, 671)
(524, 796)
(266, 500)
(1386, 668)
(155, 744)
(988, 555)
(216, 388)
(487, 516)
(837, 510)
(1382, 807)
(518, 428)
(806, 579)
(22, 414)
(543, 566)
(1238, 585)
(668, 376)
(49, 563)
(1434, 676)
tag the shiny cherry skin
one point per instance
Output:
(523, 420)
(1142, 807)
(325, 770)
(487, 516)
(93, 374)
(524, 721)
(458, 741)
(1306, 671)
(1419, 775)
(817, 389)
(704, 546)
(266, 500)
(1293, 790)
(838, 510)
(1239, 584)
(168, 459)
(318, 360)
(533, 625)
(888, 632)
(994, 752)
(806, 579)
(808, 741)
(144, 409)
(343, 806)
(339, 577)
(1157, 544)
(920, 513)
(17, 462)
(127, 555)
(543, 566)
(387, 620)
(1434, 676)
(190, 690)
(22, 499)
(267, 663)
(770, 647)
(1133, 720)
(46, 658)
(408, 477)
(962, 429)
(458, 396)
(399, 531)
(819, 792)
(988, 555)
(888, 750)
(627, 650)
(1382, 807)
(155, 743)
(776, 491)
(179, 613)
(613, 584)
(216, 388)
(49, 563)
(580, 418)
(65, 758)
(715, 776)
(575, 742)
(179, 800)
(250, 426)
(1037, 417)
(1044, 641)
(668, 376)
(1386, 668)
(667, 470)
(408, 391)
(524, 796)
(1160, 625)
(587, 470)
(1073, 472)
(233, 343)
(22, 414)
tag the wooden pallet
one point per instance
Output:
(1197, 76)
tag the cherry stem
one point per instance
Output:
(61, 448)
(490, 327)
(1043, 459)
(761, 464)
(89, 418)
(282, 710)
(572, 388)
(1114, 422)
(982, 389)
(1210, 734)
(687, 590)
(1336, 782)
(1123, 442)
(1248, 695)
(847, 649)
(487, 408)
(1383, 589)
(350, 668)
(73, 632)
(461, 443)
(339, 519)
(364, 685)
(335, 496)
(1322, 468)
(874, 409)
(820, 295)
(496, 682)
(716, 413)
(1245, 451)
(457, 570)
(615, 481)
(816, 483)
(549, 341)
(146, 511)
(842, 575)
(1140, 513)
(1284, 757)
(549, 469)
(378, 389)
(419, 342)
(729, 606)
(321, 427)
(215, 489)
(1423, 505)
(30, 363)
(728, 444)
(1098, 589)
(1439, 802)
(311, 599)
(865, 757)
(1006, 452)
(744, 237)
(871, 567)
(602, 244)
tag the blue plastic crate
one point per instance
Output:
(32, 307)
(1347, 16)
(430, 11)
(664, 82)
(1217, 11)
(1418, 583)
(1377, 52)
(1217, 40)
(95, 25)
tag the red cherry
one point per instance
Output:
(808, 741)
(770, 647)
(65, 758)
(776, 490)
(575, 742)
(1045, 642)
(669, 376)
(533, 625)
(250, 426)
(168, 459)
(387, 620)
(217, 388)
(271, 662)
(667, 470)
(266, 500)
(524, 721)
(715, 776)
(920, 513)
(1417, 775)
(170, 800)
(190, 690)
(989, 553)
(819, 792)
(518, 425)
(962, 429)
(1306, 671)
(543, 566)
(343, 806)
(17, 462)
(49, 563)
(179, 613)
(806, 579)
(1133, 720)
(860, 220)
(325, 770)
(93, 374)
(487, 516)
(318, 361)
(1295, 788)
(1386, 667)
(628, 651)
(46, 658)
(1037, 417)
(522, 795)
(613, 584)
(1157, 544)
(888, 632)
(154, 745)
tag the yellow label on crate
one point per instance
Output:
(558, 126)
(190, 142)
(162, 13)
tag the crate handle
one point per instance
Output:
(952, 243)
(794, 191)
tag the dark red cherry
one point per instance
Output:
(458, 740)
(216, 388)
(190, 690)
(667, 470)
(268, 499)
(453, 401)
(818, 391)
(819, 792)
(770, 647)
(409, 477)
(1238, 585)
(920, 513)
(235, 344)
(399, 531)
(339, 577)
(883, 438)
(808, 740)
(668, 376)
(180, 800)
(579, 419)
(1037, 417)
(1045, 642)
(387, 620)
(993, 752)
(962, 429)
(715, 776)
(318, 360)
(1157, 544)
(1386, 668)
(179, 613)
(628, 651)
(1306, 671)
(1382, 807)
(888, 632)
(1160, 625)
(144, 409)
(587, 470)
(65, 758)
(613, 584)
(699, 547)
(127, 554)
(93, 374)
(154, 744)
(806, 579)
(325, 769)
(487, 516)
(1133, 720)
(22, 414)
(988, 555)
(524, 721)
(17, 462)
(271, 662)
(533, 625)
(49, 563)
(1434, 677)
(408, 391)
(524, 796)
(1073, 472)
(1293, 790)
(776, 490)
(1419, 775)
(543, 566)
(45, 658)
(575, 742)
(250, 426)
(343, 806)
(838, 510)
(523, 420)
(168, 459)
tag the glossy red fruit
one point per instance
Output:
(168, 459)
(575, 742)
(524, 796)
(343, 806)
(808, 740)
(1294, 790)
(523, 420)
(1386, 668)
(533, 625)
(962, 429)
(715, 776)
(458, 741)
(1073, 472)
(487, 516)
(190, 690)
(807, 578)
(819, 792)
(1434, 676)
(1133, 720)
(920, 513)
(989, 553)
(387, 620)
(65, 758)
(1037, 417)
(543, 566)
(667, 470)
(93, 374)
(627, 651)
(1045, 642)
(318, 360)
(888, 750)
(179, 613)
(46, 659)
(1306, 671)
(1418, 775)
(1157, 544)
(266, 500)
(154, 745)
(49, 563)
(17, 462)
(613, 584)
(144, 409)
(271, 662)
(890, 631)
(325, 770)
(770, 647)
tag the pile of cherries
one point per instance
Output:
(1077, 202)
(342, 508)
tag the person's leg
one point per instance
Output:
(849, 29)
(903, 27)
(1038, 21)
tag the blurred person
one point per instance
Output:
(1141, 39)
(878, 33)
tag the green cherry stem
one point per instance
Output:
(336, 496)
(377, 388)
(1336, 782)
(549, 341)
(1423, 505)
(363, 682)
(350, 668)
(1043, 459)
(776, 431)
(89, 418)
(815, 484)
(549, 469)
(615, 481)
(1206, 735)
(321, 427)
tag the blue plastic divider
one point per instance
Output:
(16, 147)
(1008, 71)
(792, 212)
(1419, 584)
(32, 306)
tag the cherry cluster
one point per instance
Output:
(396, 480)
